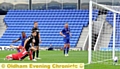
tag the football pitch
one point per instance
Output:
(58, 57)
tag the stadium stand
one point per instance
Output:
(50, 24)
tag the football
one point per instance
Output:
(115, 59)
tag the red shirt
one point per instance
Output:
(19, 55)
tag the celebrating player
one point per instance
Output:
(22, 38)
(37, 40)
(27, 45)
(66, 35)
(19, 55)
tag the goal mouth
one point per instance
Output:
(104, 34)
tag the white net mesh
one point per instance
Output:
(105, 34)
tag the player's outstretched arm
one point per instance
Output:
(11, 46)
(62, 34)
(16, 40)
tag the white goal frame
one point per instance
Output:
(91, 3)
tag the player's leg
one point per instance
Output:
(37, 52)
(30, 54)
(68, 46)
(32, 49)
(23, 57)
(27, 53)
(33, 54)
(65, 49)
(35, 46)
(27, 49)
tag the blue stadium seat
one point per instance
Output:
(50, 24)
(109, 18)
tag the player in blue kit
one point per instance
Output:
(22, 37)
(66, 38)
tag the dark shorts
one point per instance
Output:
(27, 48)
(67, 41)
(36, 42)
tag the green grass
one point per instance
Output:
(58, 57)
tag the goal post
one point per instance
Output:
(114, 31)
(90, 34)
(104, 43)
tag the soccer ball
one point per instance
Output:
(115, 59)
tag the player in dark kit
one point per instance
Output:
(66, 34)
(27, 45)
(22, 37)
(37, 39)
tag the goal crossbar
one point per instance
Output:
(105, 7)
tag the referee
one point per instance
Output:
(37, 40)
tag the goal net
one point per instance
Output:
(104, 33)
